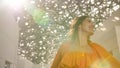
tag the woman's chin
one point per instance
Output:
(91, 33)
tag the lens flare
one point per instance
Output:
(101, 64)
(39, 16)
(16, 4)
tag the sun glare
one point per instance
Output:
(16, 4)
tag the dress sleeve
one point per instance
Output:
(103, 53)
(58, 57)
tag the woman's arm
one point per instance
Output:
(57, 58)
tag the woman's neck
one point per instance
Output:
(83, 39)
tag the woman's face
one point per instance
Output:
(87, 26)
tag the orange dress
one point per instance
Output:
(99, 58)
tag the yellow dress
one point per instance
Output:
(99, 58)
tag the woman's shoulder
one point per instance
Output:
(65, 44)
(64, 47)
(100, 49)
(97, 46)
(94, 44)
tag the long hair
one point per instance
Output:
(73, 33)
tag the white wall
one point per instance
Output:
(8, 37)
(41, 66)
(118, 35)
(116, 52)
(24, 63)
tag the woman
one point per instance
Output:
(80, 52)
